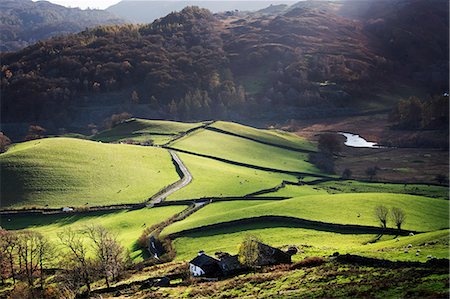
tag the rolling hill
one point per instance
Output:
(242, 150)
(424, 214)
(24, 22)
(148, 11)
(241, 181)
(58, 172)
(160, 132)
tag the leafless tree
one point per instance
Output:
(346, 174)
(35, 253)
(381, 212)
(109, 253)
(77, 253)
(9, 245)
(371, 172)
(398, 216)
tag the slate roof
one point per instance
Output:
(207, 263)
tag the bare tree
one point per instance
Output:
(371, 172)
(4, 259)
(35, 252)
(441, 179)
(44, 255)
(9, 247)
(346, 174)
(398, 216)
(109, 253)
(381, 212)
(78, 255)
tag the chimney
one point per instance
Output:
(201, 252)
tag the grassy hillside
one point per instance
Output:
(269, 136)
(314, 242)
(213, 178)
(349, 186)
(422, 213)
(160, 131)
(227, 240)
(128, 225)
(431, 243)
(71, 172)
(245, 151)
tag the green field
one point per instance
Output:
(127, 225)
(295, 191)
(364, 187)
(245, 151)
(422, 213)
(212, 178)
(160, 131)
(348, 186)
(270, 136)
(58, 172)
(314, 242)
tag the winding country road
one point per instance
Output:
(185, 180)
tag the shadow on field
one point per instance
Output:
(35, 220)
(283, 221)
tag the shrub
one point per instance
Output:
(313, 261)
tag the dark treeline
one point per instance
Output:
(196, 65)
(414, 113)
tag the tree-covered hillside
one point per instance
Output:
(302, 61)
(24, 22)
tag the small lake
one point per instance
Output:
(354, 140)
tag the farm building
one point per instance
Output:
(226, 264)
(268, 255)
(204, 265)
(229, 264)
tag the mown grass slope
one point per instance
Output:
(241, 150)
(127, 225)
(160, 131)
(72, 172)
(270, 136)
(213, 178)
(422, 213)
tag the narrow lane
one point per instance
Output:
(184, 181)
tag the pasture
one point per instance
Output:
(269, 136)
(127, 225)
(160, 131)
(213, 178)
(422, 213)
(56, 172)
(241, 150)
